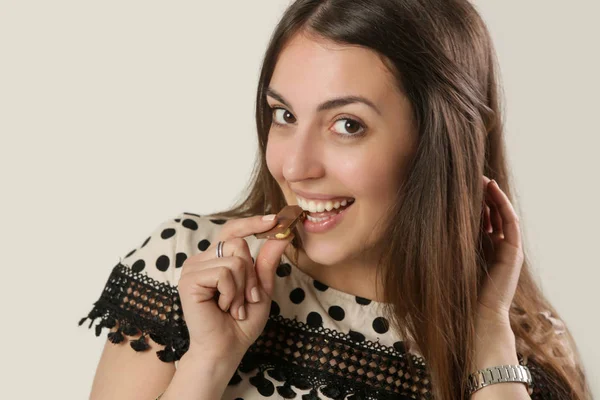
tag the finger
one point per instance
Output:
(496, 222)
(202, 286)
(487, 220)
(237, 266)
(238, 247)
(267, 261)
(242, 227)
(487, 211)
(510, 220)
(495, 217)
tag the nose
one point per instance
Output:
(304, 157)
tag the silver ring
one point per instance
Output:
(220, 249)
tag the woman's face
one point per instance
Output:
(346, 150)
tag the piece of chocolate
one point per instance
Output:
(286, 221)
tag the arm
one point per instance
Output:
(201, 377)
(126, 374)
(496, 346)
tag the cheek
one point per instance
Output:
(366, 177)
(274, 158)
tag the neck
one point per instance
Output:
(356, 277)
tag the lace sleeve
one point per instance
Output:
(139, 297)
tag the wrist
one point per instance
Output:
(495, 345)
(200, 376)
(215, 362)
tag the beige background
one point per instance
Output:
(113, 115)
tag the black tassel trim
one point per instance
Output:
(235, 379)
(116, 337)
(333, 392)
(349, 370)
(140, 304)
(139, 344)
(130, 330)
(318, 382)
(286, 391)
(313, 395)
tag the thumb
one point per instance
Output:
(267, 261)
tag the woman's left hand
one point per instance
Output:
(504, 255)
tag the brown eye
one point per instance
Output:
(350, 126)
(281, 116)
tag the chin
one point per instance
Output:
(323, 253)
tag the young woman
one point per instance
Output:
(407, 279)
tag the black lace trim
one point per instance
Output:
(140, 303)
(331, 363)
(321, 360)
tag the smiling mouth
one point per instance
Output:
(325, 215)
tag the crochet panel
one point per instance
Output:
(331, 363)
(326, 362)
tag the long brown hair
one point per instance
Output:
(443, 59)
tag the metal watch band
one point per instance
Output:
(498, 374)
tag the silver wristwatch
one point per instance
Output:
(497, 374)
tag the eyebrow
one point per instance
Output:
(329, 104)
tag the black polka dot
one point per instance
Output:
(177, 219)
(314, 319)
(356, 336)
(362, 301)
(399, 346)
(167, 233)
(130, 253)
(190, 224)
(180, 259)
(146, 242)
(320, 286)
(284, 270)
(203, 245)
(337, 313)
(274, 308)
(297, 296)
(218, 221)
(138, 266)
(162, 263)
(381, 325)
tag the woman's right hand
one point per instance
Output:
(227, 327)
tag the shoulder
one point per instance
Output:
(163, 252)
(141, 295)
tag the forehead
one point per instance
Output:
(314, 68)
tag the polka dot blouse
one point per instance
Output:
(318, 343)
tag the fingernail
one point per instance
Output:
(269, 217)
(241, 312)
(495, 183)
(255, 295)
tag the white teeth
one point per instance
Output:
(313, 219)
(320, 206)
